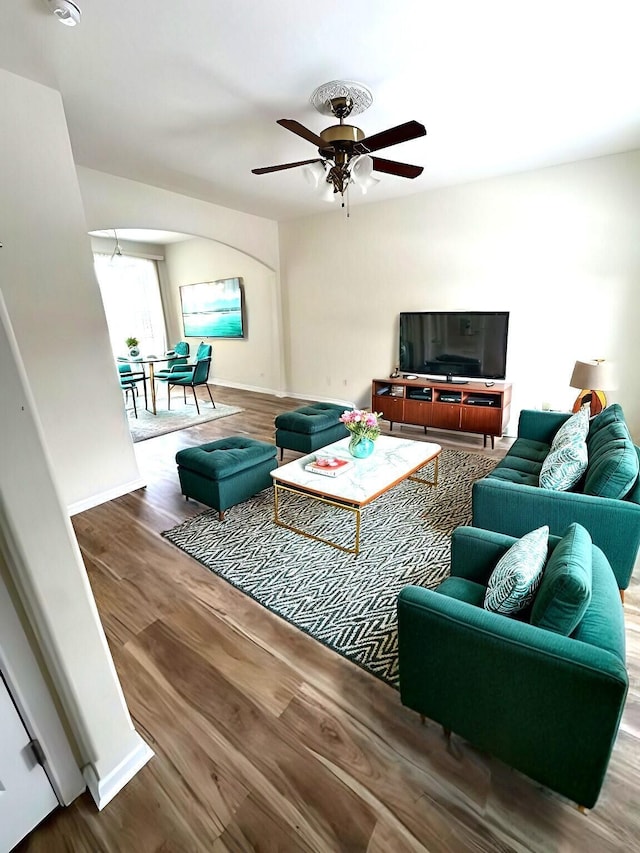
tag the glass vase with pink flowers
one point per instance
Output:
(364, 428)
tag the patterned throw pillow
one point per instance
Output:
(574, 428)
(565, 465)
(515, 579)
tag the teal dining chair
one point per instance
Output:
(181, 350)
(129, 380)
(190, 376)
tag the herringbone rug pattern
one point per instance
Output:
(346, 602)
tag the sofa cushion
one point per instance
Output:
(573, 430)
(463, 590)
(523, 462)
(529, 450)
(610, 414)
(603, 622)
(565, 464)
(565, 588)
(512, 476)
(613, 461)
(515, 579)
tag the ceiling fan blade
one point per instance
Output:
(301, 130)
(267, 169)
(391, 167)
(393, 136)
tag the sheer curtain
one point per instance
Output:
(131, 296)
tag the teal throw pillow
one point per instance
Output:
(564, 465)
(574, 429)
(565, 588)
(516, 577)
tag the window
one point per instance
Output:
(131, 295)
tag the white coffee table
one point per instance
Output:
(393, 460)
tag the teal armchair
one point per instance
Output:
(546, 704)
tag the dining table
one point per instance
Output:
(151, 360)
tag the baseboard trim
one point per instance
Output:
(103, 497)
(105, 789)
(279, 393)
(224, 383)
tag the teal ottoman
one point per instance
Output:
(310, 427)
(226, 472)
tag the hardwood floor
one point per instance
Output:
(266, 740)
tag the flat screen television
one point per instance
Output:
(213, 309)
(471, 344)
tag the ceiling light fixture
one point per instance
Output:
(117, 252)
(344, 164)
(344, 150)
(65, 11)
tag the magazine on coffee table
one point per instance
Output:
(329, 466)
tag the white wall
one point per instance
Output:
(46, 273)
(118, 202)
(61, 386)
(255, 361)
(558, 248)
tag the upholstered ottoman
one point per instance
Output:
(310, 427)
(226, 472)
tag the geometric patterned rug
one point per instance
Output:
(346, 602)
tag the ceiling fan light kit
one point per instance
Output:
(343, 148)
(65, 11)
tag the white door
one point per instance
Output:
(26, 795)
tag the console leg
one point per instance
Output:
(484, 440)
(493, 442)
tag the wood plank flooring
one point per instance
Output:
(265, 740)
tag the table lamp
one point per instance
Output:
(590, 377)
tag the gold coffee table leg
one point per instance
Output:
(426, 482)
(277, 488)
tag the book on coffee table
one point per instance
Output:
(329, 466)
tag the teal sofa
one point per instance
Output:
(547, 704)
(606, 501)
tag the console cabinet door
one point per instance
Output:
(392, 408)
(417, 412)
(482, 419)
(446, 415)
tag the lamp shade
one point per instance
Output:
(594, 375)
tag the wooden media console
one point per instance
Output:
(471, 407)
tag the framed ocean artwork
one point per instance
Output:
(213, 309)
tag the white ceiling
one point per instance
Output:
(185, 96)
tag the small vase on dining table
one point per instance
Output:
(361, 447)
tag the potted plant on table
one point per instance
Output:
(364, 428)
(132, 346)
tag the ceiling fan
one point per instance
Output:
(345, 152)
